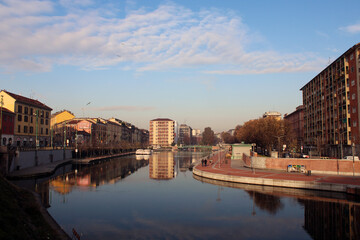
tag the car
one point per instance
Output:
(356, 158)
(305, 156)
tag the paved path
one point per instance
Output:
(234, 171)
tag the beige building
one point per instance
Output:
(60, 117)
(161, 132)
(32, 121)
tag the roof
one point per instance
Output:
(57, 113)
(28, 101)
(7, 110)
(162, 119)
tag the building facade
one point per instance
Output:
(7, 126)
(162, 132)
(185, 134)
(331, 103)
(32, 120)
(275, 115)
(296, 121)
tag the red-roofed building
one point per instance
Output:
(7, 126)
(32, 120)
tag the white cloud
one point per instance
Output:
(35, 37)
(355, 28)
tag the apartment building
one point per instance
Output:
(185, 134)
(161, 132)
(296, 121)
(32, 120)
(331, 103)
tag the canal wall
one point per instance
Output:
(319, 166)
(27, 159)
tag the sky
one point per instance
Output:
(204, 63)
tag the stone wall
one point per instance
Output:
(28, 159)
(325, 166)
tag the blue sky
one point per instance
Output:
(204, 63)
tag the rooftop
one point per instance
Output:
(28, 101)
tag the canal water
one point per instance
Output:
(159, 198)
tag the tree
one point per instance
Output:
(267, 133)
(227, 138)
(208, 136)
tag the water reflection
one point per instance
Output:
(327, 215)
(162, 166)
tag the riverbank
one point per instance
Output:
(234, 171)
(23, 217)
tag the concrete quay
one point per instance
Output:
(228, 170)
(49, 168)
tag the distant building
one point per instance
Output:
(162, 132)
(275, 115)
(331, 103)
(60, 117)
(32, 120)
(296, 120)
(185, 134)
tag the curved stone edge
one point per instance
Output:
(278, 182)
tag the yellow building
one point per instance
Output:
(60, 117)
(32, 121)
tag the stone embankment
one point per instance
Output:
(236, 171)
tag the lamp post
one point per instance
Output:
(36, 136)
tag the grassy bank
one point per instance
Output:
(21, 216)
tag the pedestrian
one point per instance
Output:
(205, 162)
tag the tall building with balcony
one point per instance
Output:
(331, 103)
(32, 120)
(161, 132)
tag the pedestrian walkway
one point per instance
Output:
(38, 171)
(234, 171)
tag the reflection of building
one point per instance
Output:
(332, 220)
(162, 132)
(32, 119)
(161, 166)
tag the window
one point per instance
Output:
(19, 118)
(42, 114)
(47, 131)
(354, 110)
(353, 96)
(31, 129)
(19, 109)
(354, 123)
(351, 56)
(26, 110)
(19, 128)
(42, 121)
(26, 118)
(41, 130)
(46, 122)
(47, 114)
(31, 111)
(25, 129)
(352, 69)
(352, 82)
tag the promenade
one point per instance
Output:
(234, 171)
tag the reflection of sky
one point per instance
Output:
(182, 208)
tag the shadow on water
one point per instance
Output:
(327, 215)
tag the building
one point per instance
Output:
(331, 104)
(276, 115)
(162, 132)
(32, 120)
(296, 121)
(7, 126)
(162, 166)
(60, 117)
(185, 134)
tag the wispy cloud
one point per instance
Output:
(35, 37)
(124, 108)
(355, 28)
